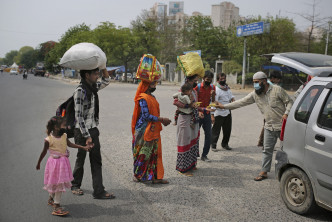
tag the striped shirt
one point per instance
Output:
(85, 109)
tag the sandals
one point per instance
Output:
(260, 177)
(77, 191)
(188, 174)
(60, 211)
(160, 181)
(105, 195)
(50, 202)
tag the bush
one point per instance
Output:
(231, 67)
(248, 79)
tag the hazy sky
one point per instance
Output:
(31, 22)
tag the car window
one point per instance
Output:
(325, 116)
(307, 103)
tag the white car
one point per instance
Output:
(13, 72)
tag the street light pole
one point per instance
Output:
(327, 38)
(244, 62)
(248, 63)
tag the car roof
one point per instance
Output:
(310, 63)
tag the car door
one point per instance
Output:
(318, 148)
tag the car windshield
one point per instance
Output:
(310, 59)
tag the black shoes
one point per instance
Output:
(226, 147)
(204, 158)
(214, 149)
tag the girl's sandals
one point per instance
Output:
(59, 211)
(50, 202)
(159, 181)
(188, 174)
(77, 191)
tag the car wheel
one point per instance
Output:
(296, 191)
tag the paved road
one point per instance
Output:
(222, 190)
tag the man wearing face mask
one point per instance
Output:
(206, 94)
(222, 118)
(275, 104)
(275, 78)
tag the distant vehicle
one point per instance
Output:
(304, 163)
(40, 69)
(129, 77)
(13, 72)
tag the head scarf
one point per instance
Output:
(142, 87)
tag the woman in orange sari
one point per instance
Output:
(146, 127)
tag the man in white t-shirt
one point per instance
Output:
(222, 118)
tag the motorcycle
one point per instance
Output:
(25, 76)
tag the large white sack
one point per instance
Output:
(84, 56)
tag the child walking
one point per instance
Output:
(58, 174)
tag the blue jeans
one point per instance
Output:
(206, 122)
(270, 140)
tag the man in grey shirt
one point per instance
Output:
(275, 104)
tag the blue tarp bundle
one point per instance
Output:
(120, 68)
(284, 69)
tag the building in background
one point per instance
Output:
(175, 7)
(159, 12)
(225, 14)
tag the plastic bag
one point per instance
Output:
(149, 68)
(84, 56)
(191, 64)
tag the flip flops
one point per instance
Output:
(160, 181)
(260, 177)
(188, 174)
(104, 196)
(77, 191)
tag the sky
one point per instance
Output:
(31, 22)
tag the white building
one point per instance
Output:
(225, 14)
(317, 33)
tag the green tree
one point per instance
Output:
(9, 57)
(281, 38)
(28, 59)
(126, 47)
(74, 35)
(200, 34)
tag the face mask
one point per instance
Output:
(152, 90)
(62, 131)
(259, 88)
(222, 82)
(207, 83)
(194, 84)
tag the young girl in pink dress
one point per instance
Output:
(58, 174)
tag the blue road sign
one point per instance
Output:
(198, 51)
(250, 29)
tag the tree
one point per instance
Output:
(281, 38)
(315, 21)
(200, 34)
(74, 35)
(126, 47)
(9, 57)
(29, 59)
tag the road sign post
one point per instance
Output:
(247, 30)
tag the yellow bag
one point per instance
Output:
(149, 68)
(191, 64)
